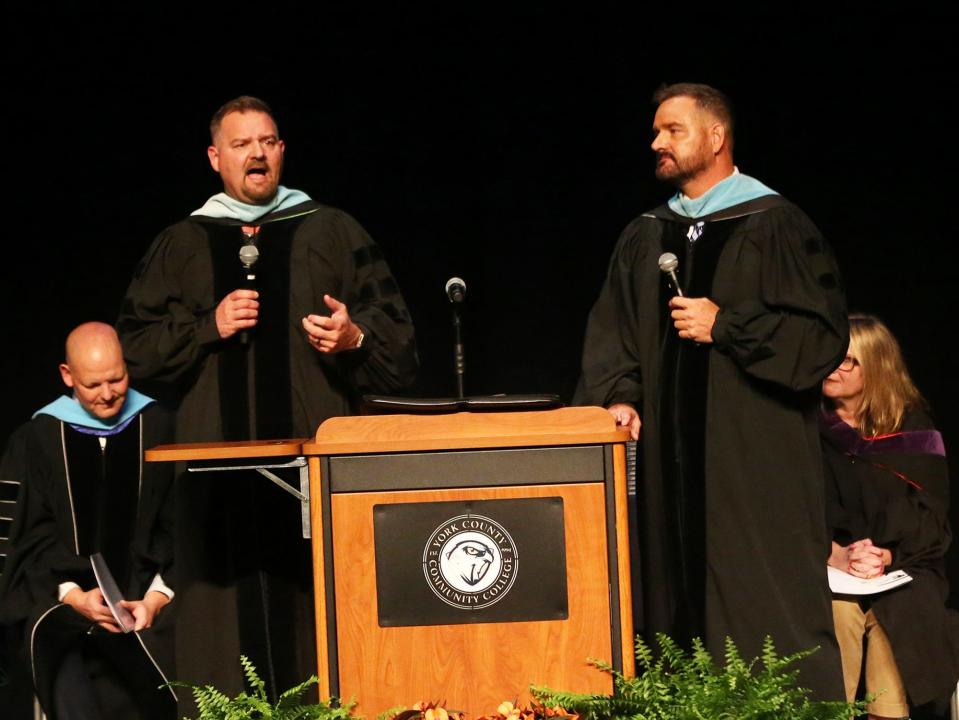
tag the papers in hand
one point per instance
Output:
(111, 593)
(843, 583)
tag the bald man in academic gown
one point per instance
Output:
(724, 384)
(85, 489)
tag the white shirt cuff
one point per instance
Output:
(64, 588)
(159, 586)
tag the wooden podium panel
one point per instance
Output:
(554, 480)
(473, 667)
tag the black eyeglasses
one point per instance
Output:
(848, 363)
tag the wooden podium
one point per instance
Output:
(411, 513)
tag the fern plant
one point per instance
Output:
(680, 685)
(254, 705)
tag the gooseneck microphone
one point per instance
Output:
(249, 254)
(667, 265)
(456, 292)
(456, 289)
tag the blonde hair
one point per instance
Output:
(887, 390)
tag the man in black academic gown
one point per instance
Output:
(85, 489)
(725, 384)
(323, 322)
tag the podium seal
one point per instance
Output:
(470, 562)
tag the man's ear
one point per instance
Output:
(211, 152)
(66, 375)
(717, 136)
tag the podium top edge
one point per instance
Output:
(396, 433)
(349, 435)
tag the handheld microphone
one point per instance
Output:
(667, 265)
(456, 289)
(249, 254)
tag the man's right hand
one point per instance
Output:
(92, 606)
(237, 311)
(627, 417)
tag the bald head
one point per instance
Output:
(95, 370)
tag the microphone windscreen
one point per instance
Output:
(249, 255)
(456, 289)
(668, 262)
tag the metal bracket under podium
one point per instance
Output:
(303, 494)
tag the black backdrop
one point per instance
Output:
(506, 146)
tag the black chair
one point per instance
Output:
(16, 686)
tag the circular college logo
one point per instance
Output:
(470, 562)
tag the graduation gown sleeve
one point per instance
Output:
(387, 360)
(41, 557)
(32, 534)
(612, 356)
(167, 318)
(795, 333)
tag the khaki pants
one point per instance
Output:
(853, 627)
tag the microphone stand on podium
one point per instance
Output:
(456, 291)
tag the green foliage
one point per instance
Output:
(214, 705)
(680, 685)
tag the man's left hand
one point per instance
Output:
(333, 333)
(694, 318)
(145, 611)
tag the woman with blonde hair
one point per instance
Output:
(887, 505)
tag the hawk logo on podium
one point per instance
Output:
(470, 562)
(455, 562)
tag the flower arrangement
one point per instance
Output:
(533, 711)
(423, 710)
(505, 711)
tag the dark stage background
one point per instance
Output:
(506, 146)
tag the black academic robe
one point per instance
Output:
(731, 516)
(76, 499)
(899, 499)
(245, 580)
